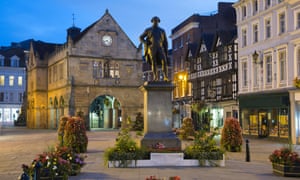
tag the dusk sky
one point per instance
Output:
(47, 20)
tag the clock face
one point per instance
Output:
(107, 40)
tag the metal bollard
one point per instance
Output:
(247, 151)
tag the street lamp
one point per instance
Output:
(256, 59)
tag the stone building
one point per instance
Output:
(269, 63)
(96, 73)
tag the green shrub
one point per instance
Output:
(204, 147)
(139, 123)
(125, 149)
(187, 129)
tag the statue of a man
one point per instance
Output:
(155, 44)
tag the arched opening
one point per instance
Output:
(105, 113)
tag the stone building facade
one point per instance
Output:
(96, 73)
(269, 63)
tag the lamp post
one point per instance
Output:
(256, 59)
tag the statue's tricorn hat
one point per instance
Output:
(155, 18)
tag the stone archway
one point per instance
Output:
(105, 113)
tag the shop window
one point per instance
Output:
(283, 123)
(253, 126)
(245, 121)
(273, 122)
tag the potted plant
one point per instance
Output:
(204, 149)
(77, 161)
(187, 130)
(74, 135)
(56, 163)
(49, 165)
(231, 137)
(125, 150)
(285, 162)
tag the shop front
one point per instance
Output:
(265, 115)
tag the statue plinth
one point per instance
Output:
(158, 115)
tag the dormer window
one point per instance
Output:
(1, 60)
(14, 61)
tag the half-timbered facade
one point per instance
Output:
(213, 73)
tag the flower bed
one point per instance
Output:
(59, 162)
(65, 159)
(202, 152)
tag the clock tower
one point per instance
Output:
(97, 73)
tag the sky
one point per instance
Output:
(48, 20)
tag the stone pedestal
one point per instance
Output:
(158, 115)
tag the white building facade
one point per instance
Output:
(12, 84)
(269, 62)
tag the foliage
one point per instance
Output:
(231, 138)
(296, 82)
(75, 135)
(51, 164)
(284, 156)
(56, 162)
(187, 129)
(125, 149)
(204, 147)
(139, 122)
(61, 128)
(76, 160)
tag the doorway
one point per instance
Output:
(105, 113)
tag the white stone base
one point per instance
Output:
(168, 159)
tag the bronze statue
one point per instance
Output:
(156, 48)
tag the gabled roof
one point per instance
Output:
(191, 50)
(207, 40)
(226, 37)
(44, 49)
(106, 14)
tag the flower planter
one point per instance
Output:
(75, 170)
(54, 178)
(234, 148)
(288, 170)
(167, 159)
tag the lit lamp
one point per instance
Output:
(256, 60)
